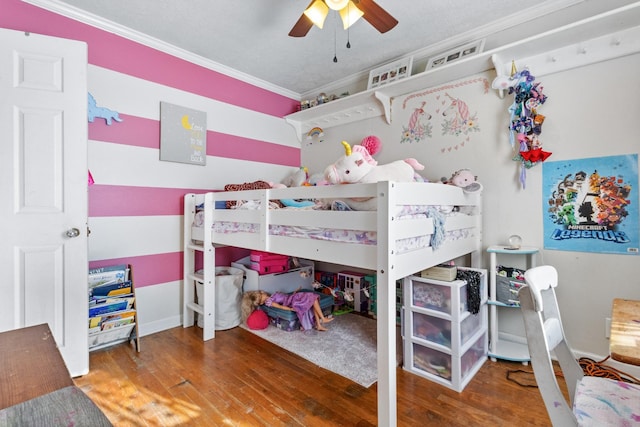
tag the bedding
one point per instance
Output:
(362, 237)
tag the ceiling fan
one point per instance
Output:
(350, 11)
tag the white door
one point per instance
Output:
(43, 189)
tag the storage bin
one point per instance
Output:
(268, 263)
(432, 296)
(432, 361)
(442, 340)
(228, 291)
(473, 358)
(507, 290)
(295, 278)
(436, 294)
(432, 329)
(445, 368)
(472, 324)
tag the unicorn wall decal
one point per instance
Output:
(416, 130)
(458, 119)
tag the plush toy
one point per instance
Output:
(353, 168)
(465, 180)
(257, 320)
(297, 179)
(359, 167)
(318, 179)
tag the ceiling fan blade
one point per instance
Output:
(302, 27)
(376, 16)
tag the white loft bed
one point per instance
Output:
(382, 257)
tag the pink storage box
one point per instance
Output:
(268, 263)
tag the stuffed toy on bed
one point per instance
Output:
(358, 167)
(299, 178)
(464, 179)
(355, 167)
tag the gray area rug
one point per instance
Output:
(348, 348)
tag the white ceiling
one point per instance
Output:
(251, 36)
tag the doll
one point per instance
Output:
(305, 304)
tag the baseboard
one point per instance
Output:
(159, 325)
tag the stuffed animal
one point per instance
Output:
(464, 179)
(353, 168)
(359, 167)
(297, 179)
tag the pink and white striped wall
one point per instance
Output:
(135, 206)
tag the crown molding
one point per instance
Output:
(79, 15)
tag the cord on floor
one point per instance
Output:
(525, 378)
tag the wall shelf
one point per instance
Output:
(602, 37)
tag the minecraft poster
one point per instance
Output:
(591, 205)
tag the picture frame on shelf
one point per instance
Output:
(390, 72)
(456, 54)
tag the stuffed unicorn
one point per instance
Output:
(357, 167)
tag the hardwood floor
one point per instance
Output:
(238, 379)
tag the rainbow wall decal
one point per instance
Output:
(316, 131)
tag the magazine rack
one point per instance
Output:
(114, 319)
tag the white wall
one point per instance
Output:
(590, 112)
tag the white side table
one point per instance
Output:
(506, 346)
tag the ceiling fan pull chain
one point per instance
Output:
(348, 14)
(335, 43)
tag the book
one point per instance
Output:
(116, 323)
(444, 272)
(110, 274)
(97, 321)
(115, 267)
(112, 289)
(95, 300)
(110, 305)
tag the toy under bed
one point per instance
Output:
(288, 320)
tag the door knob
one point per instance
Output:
(73, 232)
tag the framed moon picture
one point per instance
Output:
(183, 134)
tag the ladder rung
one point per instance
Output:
(195, 307)
(195, 247)
(197, 277)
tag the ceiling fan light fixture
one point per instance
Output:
(317, 13)
(337, 4)
(350, 14)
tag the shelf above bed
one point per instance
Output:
(602, 37)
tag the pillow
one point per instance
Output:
(257, 320)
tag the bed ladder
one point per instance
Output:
(191, 278)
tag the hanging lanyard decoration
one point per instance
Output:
(525, 122)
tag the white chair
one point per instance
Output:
(594, 401)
